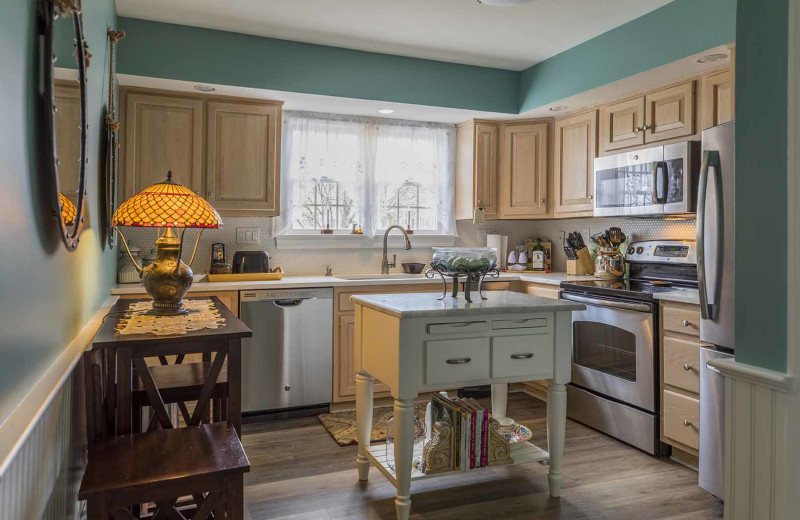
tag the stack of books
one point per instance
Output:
(470, 423)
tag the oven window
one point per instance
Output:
(625, 186)
(605, 348)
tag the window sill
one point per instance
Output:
(307, 241)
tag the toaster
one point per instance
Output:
(251, 262)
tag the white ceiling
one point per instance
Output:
(460, 31)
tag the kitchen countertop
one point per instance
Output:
(428, 305)
(680, 295)
(293, 282)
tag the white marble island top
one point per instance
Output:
(424, 305)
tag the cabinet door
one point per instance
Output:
(485, 164)
(717, 99)
(242, 158)
(621, 124)
(162, 133)
(523, 171)
(68, 138)
(575, 150)
(670, 113)
(347, 358)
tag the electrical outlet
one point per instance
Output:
(248, 235)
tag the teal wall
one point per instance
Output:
(194, 54)
(761, 182)
(48, 294)
(673, 32)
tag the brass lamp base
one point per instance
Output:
(167, 279)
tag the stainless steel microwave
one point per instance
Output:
(661, 180)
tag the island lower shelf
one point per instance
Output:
(521, 452)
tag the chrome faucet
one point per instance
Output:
(385, 265)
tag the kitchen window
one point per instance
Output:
(341, 171)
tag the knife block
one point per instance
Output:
(583, 265)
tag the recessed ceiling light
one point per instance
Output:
(505, 3)
(386, 111)
(558, 108)
(204, 88)
(711, 58)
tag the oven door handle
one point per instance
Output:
(638, 307)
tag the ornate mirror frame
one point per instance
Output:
(50, 11)
(112, 140)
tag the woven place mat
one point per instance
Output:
(202, 315)
(342, 425)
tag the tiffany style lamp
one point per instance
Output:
(166, 205)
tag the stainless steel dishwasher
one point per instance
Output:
(288, 363)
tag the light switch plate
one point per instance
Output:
(248, 235)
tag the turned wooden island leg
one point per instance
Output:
(403, 455)
(363, 421)
(499, 400)
(556, 431)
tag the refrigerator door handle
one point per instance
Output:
(709, 309)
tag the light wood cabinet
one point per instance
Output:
(621, 124)
(162, 133)
(539, 388)
(573, 164)
(243, 157)
(225, 149)
(523, 177)
(669, 113)
(717, 99)
(476, 168)
(681, 419)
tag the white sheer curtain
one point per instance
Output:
(373, 172)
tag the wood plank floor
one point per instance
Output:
(300, 473)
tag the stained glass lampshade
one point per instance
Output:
(166, 204)
(68, 209)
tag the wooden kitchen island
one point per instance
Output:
(417, 343)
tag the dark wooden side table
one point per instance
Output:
(123, 353)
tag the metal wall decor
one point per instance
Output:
(70, 219)
(112, 139)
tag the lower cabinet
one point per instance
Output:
(680, 378)
(539, 388)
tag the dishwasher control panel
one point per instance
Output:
(278, 294)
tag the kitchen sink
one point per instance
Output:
(393, 276)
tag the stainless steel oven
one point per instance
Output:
(661, 180)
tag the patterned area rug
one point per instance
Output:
(342, 425)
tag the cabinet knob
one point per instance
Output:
(210, 195)
(542, 202)
(591, 197)
(687, 422)
(687, 366)
(687, 323)
(637, 130)
(646, 127)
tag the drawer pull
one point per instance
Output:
(687, 366)
(522, 356)
(687, 422)
(459, 361)
(687, 323)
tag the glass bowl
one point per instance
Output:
(464, 259)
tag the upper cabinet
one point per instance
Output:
(717, 99)
(573, 164)
(476, 168)
(621, 124)
(656, 116)
(225, 149)
(162, 133)
(669, 113)
(523, 170)
(243, 157)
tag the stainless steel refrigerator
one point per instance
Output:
(715, 274)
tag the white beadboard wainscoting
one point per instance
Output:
(43, 441)
(758, 478)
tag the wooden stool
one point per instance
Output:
(206, 462)
(179, 383)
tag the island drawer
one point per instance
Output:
(529, 323)
(682, 318)
(456, 360)
(681, 419)
(516, 356)
(682, 364)
(458, 327)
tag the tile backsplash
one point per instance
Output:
(355, 261)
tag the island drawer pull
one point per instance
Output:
(457, 327)
(459, 361)
(529, 323)
(522, 356)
